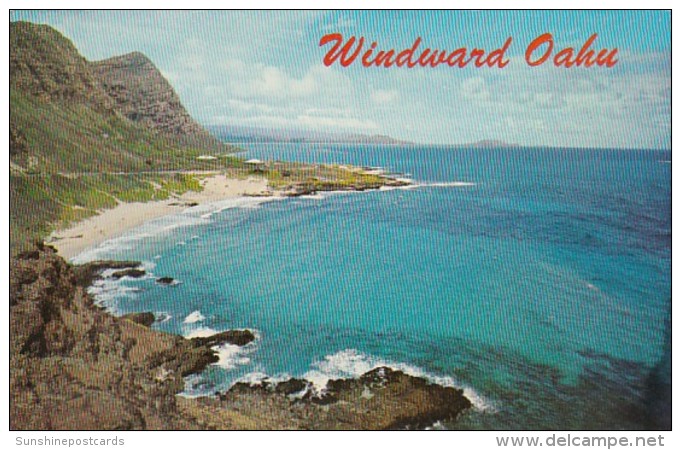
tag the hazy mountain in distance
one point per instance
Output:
(233, 134)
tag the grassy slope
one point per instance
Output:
(72, 162)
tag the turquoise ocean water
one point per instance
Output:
(539, 280)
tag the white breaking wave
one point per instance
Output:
(417, 185)
(400, 188)
(130, 240)
(206, 211)
(163, 316)
(351, 363)
(107, 293)
(148, 266)
(230, 356)
(258, 377)
(194, 317)
(316, 196)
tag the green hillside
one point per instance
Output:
(74, 151)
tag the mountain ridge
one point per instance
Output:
(141, 94)
(69, 137)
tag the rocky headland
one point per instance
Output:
(75, 366)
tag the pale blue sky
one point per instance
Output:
(265, 69)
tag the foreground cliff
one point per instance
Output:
(74, 366)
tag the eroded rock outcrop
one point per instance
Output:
(74, 366)
(143, 318)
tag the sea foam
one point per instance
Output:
(208, 210)
(200, 332)
(108, 293)
(418, 185)
(351, 363)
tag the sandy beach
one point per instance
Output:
(111, 223)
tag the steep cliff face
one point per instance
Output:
(46, 65)
(144, 96)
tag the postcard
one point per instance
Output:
(340, 220)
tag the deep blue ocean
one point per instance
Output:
(539, 280)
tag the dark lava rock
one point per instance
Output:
(395, 400)
(73, 366)
(165, 280)
(86, 273)
(234, 337)
(132, 273)
(245, 388)
(196, 361)
(142, 318)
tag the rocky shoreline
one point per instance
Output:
(75, 367)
